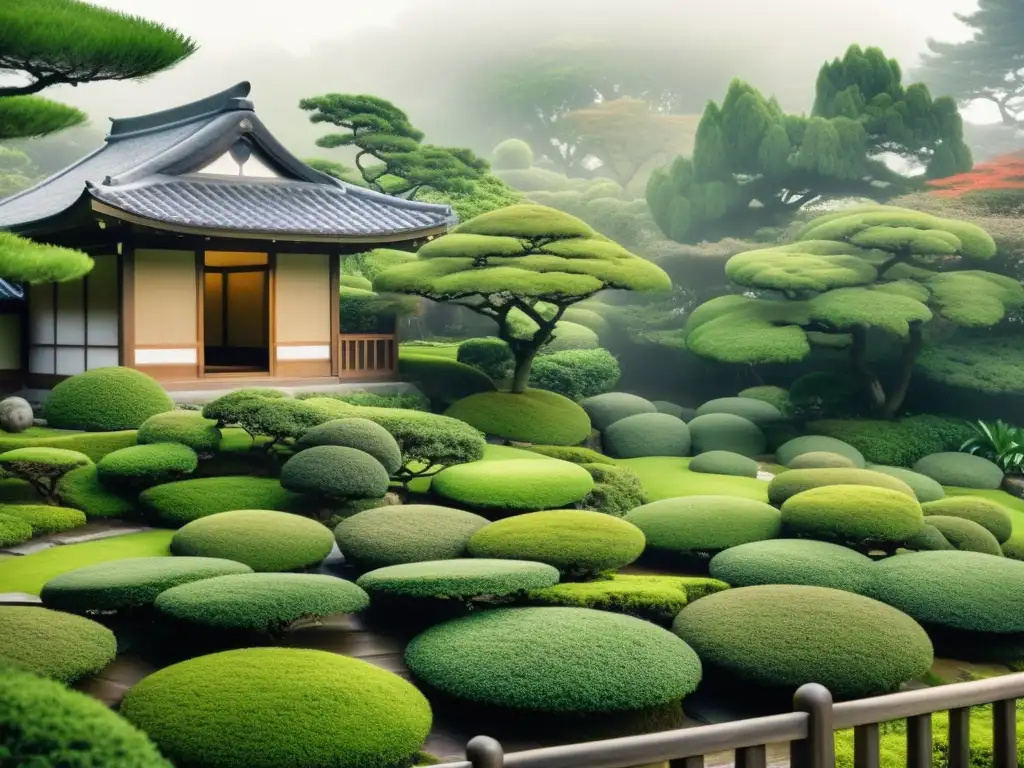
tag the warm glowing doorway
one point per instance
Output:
(236, 313)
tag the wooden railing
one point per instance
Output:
(810, 730)
(367, 354)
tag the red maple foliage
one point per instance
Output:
(1006, 172)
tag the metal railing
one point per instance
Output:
(368, 353)
(810, 730)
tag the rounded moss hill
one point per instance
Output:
(776, 396)
(822, 460)
(573, 541)
(44, 518)
(175, 504)
(673, 409)
(757, 411)
(924, 487)
(788, 484)
(265, 540)
(604, 410)
(524, 485)
(189, 428)
(80, 488)
(280, 708)
(458, 579)
(646, 434)
(989, 514)
(962, 470)
(726, 432)
(13, 531)
(260, 602)
(816, 444)
(131, 583)
(362, 434)
(536, 416)
(105, 400)
(53, 644)
(782, 636)
(792, 561)
(143, 466)
(705, 523)
(724, 463)
(555, 660)
(855, 514)
(335, 472)
(965, 535)
(409, 533)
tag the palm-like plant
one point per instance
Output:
(999, 442)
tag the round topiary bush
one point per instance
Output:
(264, 540)
(724, 463)
(705, 523)
(989, 514)
(334, 472)
(131, 583)
(57, 645)
(458, 579)
(777, 396)
(965, 535)
(789, 484)
(924, 487)
(792, 561)
(555, 660)
(143, 466)
(409, 533)
(262, 707)
(726, 432)
(362, 434)
(816, 444)
(588, 317)
(512, 155)
(679, 411)
(49, 725)
(44, 518)
(576, 373)
(757, 411)
(175, 504)
(571, 336)
(525, 484)
(604, 410)
(822, 460)
(105, 400)
(963, 470)
(782, 636)
(489, 354)
(189, 428)
(928, 539)
(13, 531)
(646, 434)
(536, 416)
(575, 542)
(855, 514)
(261, 602)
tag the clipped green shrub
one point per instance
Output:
(822, 460)
(49, 725)
(488, 354)
(130, 583)
(265, 540)
(362, 434)
(792, 561)
(333, 472)
(186, 500)
(782, 636)
(44, 518)
(281, 707)
(776, 396)
(854, 514)
(680, 412)
(963, 470)
(647, 434)
(42, 468)
(817, 444)
(699, 524)
(412, 401)
(757, 411)
(443, 381)
(616, 490)
(571, 336)
(989, 514)
(898, 443)
(526, 485)
(788, 484)
(535, 416)
(13, 531)
(260, 602)
(512, 155)
(105, 400)
(227, 409)
(726, 432)
(458, 579)
(189, 428)
(143, 466)
(928, 539)
(408, 533)
(573, 453)
(724, 463)
(53, 644)
(576, 373)
(80, 488)
(924, 487)
(555, 660)
(965, 535)
(604, 410)
(575, 542)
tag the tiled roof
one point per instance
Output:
(9, 292)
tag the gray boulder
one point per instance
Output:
(15, 414)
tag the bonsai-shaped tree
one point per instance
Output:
(42, 468)
(508, 261)
(874, 268)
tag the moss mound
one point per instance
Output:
(989, 514)
(672, 409)
(458, 579)
(705, 523)
(558, 660)
(573, 453)
(854, 514)
(105, 400)
(80, 488)
(536, 416)
(256, 708)
(816, 444)
(187, 500)
(724, 463)
(335, 472)
(924, 487)
(574, 542)
(928, 539)
(647, 434)
(758, 411)
(13, 531)
(726, 432)
(57, 645)
(410, 533)
(965, 535)
(362, 434)
(792, 561)
(789, 484)
(131, 583)
(616, 490)
(443, 380)
(143, 466)
(776, 396)
(822, 460)
(44, 518)
(782, 636)
(604, 410)
(527, 485)
(264, 540)
(962, 470)
(189, 428)
(261, 602)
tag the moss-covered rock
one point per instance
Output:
(965, 535)
(458, 579)
(647, 434)
(705, 523)
(604, 410)
(525, 485)
(105, 400)
(334, 473)
(724, 463)
(989, 514)
(57, 645)
(535, 416)
(852, 514)
(189, 428)
(757, 411)
(788, 484)
(726, 432)
(963, 470)
(924, 487)
(792, 561)
(822, 460)
(143, 466)
(178, 503)
(817, 444)
(362, 434)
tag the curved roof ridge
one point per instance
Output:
(229, 99)
(393, 200)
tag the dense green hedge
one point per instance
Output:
(412, 401)
(488, 354)
(535, 416)
(179, 503)
(988, 514)
(965, 535)
(576, 373)
(726, 432)
(724, 463)
(458, 579)
(854, 514)
(143, 466)
(409, 533)
(131, 583)
(57, 645)
(573, 541)
(443, 381)
(44, 518)
(822, 460)
(924, 487)
(963, 470)
(13, 531)
(604, 410)
(189, 428)
(758, 411)
(898, 443)
(647, 434)
(527, 485)
(792, 561)
(788, 484)
(782, 636)
(333, 472)
(616, 490)
(362, 434)
(705, 523)
(105, 400)
(556, 660)
(816, 444)
(260, 602)
(281, 707)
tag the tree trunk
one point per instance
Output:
(858, 360)
(894, 402)
(524, 364)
